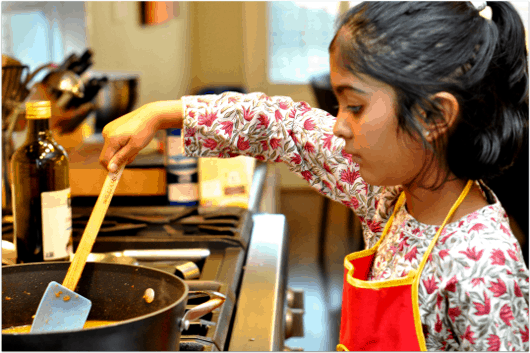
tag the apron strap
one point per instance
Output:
(415, 284)
(447, 218)
(399, 203)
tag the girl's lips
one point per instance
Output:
(354, 156)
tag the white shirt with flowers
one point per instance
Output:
(473, 292)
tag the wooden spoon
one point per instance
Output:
(61, 309)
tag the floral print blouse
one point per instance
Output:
(473, 292)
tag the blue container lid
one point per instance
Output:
(174, 132)
(188, 204)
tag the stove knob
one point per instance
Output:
(294, 323)
(295, 298)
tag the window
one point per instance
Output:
(36, 33)
(30, 39)
(300, 33)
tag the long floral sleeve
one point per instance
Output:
(276, 129)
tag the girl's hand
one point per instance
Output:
(128, 135)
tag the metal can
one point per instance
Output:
(181, 172)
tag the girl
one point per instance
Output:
(433, 99)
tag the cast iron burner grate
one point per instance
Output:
(141, 226)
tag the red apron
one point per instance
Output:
(383, 315)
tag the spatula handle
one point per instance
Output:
(92, 229)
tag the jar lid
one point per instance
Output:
(38, 110)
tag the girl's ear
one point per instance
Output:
(449, 108)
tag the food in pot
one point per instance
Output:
(88, 324)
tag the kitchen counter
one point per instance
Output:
(145, 177)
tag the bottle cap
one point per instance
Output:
(38, 110)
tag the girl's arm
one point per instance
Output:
(273, 129)
(276, 129)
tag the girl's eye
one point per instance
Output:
(355, 109)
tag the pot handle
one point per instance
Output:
(217, 299)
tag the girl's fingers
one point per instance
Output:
(123, 156)
(110, 148)
(132, 158)
(124, 138)
(120, 157)
(120, 150)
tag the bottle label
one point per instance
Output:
(56, 224)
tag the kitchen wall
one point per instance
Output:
(255, 44)
(210, 43)
(229, 42)
(160, 54)
(216, 43)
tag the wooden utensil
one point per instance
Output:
(61, 309)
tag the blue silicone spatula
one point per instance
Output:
(61, 308)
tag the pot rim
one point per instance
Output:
(184, 297)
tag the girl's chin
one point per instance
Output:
(376, 180)
(364, 173)
(367, 176)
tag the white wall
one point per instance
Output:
(160, 54)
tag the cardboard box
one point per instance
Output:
(225, 181)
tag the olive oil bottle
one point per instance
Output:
(42, 213)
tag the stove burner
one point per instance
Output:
(140, 225)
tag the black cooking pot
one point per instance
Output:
(117, 294)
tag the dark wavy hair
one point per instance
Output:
(421, 48)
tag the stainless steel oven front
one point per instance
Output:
(267, 311)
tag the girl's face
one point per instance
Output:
(368, 123)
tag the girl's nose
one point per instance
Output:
(342, 129)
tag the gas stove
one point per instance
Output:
(237, 252)
(219, 237)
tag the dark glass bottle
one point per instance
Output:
(42, 213)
